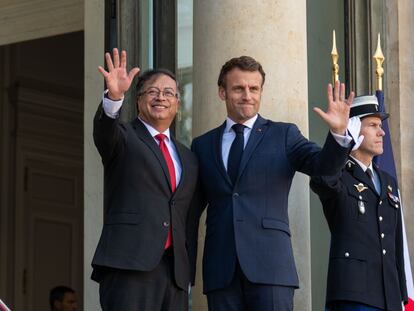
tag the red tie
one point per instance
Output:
(171, 170)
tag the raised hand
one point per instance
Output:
(337, 114)
(117, 79)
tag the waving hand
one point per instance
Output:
(337, 113)
(117, 79)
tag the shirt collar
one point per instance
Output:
(153, 131)
(362, 165)
(249, 123)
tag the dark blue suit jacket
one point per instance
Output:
(249, 220)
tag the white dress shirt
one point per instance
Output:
(229, 135)
(111, 109)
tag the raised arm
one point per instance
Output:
(108, 133)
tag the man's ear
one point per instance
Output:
(222, 93)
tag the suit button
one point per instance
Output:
(235, 195)
(384, 251)
(380, 218)
(346, 254)
(380, 202)
(172, 203)
(382, 235)
(166, 224)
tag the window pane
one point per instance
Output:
(185, 69)
(146, 35)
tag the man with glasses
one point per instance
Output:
(141, 261)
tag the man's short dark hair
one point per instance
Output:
(245, 63)
(149, 74)
(58, 293)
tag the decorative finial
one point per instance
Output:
(335, 56)
(379, 59)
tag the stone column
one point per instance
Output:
(93, 189)
(274, 33)
(399, 78)
(406, 116)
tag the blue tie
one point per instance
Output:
(371, 176)
(236, 152)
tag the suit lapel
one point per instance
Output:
(181, 156)
(143, 134)
(217, 145)
(256, 136)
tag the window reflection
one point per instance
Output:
(185, 69)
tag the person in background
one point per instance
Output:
(63, 298)
(361, 205)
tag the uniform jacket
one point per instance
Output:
(249, 220)
(366, 262)
(139, 205)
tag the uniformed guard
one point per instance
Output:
(361, 206)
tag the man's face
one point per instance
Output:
(372, 145)
(68, 303)
(242, 94)
(158, 105)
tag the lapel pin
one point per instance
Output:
(389, 188)
(259, 129)
(360, 187)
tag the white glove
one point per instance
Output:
(354, 128)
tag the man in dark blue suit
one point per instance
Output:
(247, 166)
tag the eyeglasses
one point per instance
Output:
(155, 92)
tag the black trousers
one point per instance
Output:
(243, 295)
(125, 290)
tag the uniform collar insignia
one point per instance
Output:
(349, 165)
(360, 187)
